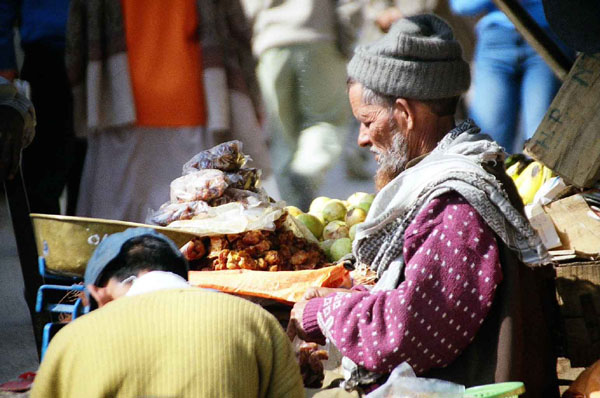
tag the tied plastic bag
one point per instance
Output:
(202, 185)
(227, 156)
(246, 178)
(170, 212)
(403, 382)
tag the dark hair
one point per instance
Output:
(144, 253)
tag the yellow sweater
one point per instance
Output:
(174, 343)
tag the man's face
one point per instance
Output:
(380, 132)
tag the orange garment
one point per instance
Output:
(165, 62)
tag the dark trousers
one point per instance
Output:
(55, 158)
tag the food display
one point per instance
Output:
(221, 200)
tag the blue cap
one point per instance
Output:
(110, 248)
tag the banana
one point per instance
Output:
(530, 180)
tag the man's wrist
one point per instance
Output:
(309, 319)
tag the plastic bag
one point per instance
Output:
(202, 185)
(169, 212)
(245, 198)
(246, 178)
(403, 382)
(227, 156)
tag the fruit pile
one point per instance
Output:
(333, 222)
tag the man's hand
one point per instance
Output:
(313, 292)
(11, 141)
(295, 325)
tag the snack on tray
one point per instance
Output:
(169, 212)
(278, 250)
(201, 185)
(227, 156)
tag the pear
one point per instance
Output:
(334, 210)
(326, 247)
(293, 211)
(360, 197)
(312, 223)
(352, 231)
(335, 230)
(355, 215)
(316, 206)
(340, 248)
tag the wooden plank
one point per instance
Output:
(576, 225)
(567, 139)
(536, 37)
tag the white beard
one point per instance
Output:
(393, 161)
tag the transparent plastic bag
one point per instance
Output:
(201, 185)
(246, 178)
(169, 212)
(403, 382)
(227, 156)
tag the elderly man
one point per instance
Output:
(445, 234)
(176, 342)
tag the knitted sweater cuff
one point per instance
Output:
(309, 319)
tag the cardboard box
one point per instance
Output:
(577, 225)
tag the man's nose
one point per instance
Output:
(363, 137)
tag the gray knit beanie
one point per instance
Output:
(418, 58)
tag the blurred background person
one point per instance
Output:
(54, 158)
(155, 83)
(17, 128)
(510, 79)
(302, 77)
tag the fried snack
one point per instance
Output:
(194, 249)
(278, 250)
(227, 156)
(202, 185)
(240, 260)
(310, 359)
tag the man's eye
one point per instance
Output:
(367, 124)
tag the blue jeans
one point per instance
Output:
(509, 78)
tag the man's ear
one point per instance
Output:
(405, 113)
(100, 294)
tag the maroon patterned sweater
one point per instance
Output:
(451, 273)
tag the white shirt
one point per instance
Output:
(156, 280)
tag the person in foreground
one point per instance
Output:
(154, 336)
(462, 293)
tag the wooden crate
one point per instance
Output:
(578, 294)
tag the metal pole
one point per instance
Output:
(19, 212)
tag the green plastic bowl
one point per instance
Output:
(498, 390)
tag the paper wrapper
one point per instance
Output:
(284, 286)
